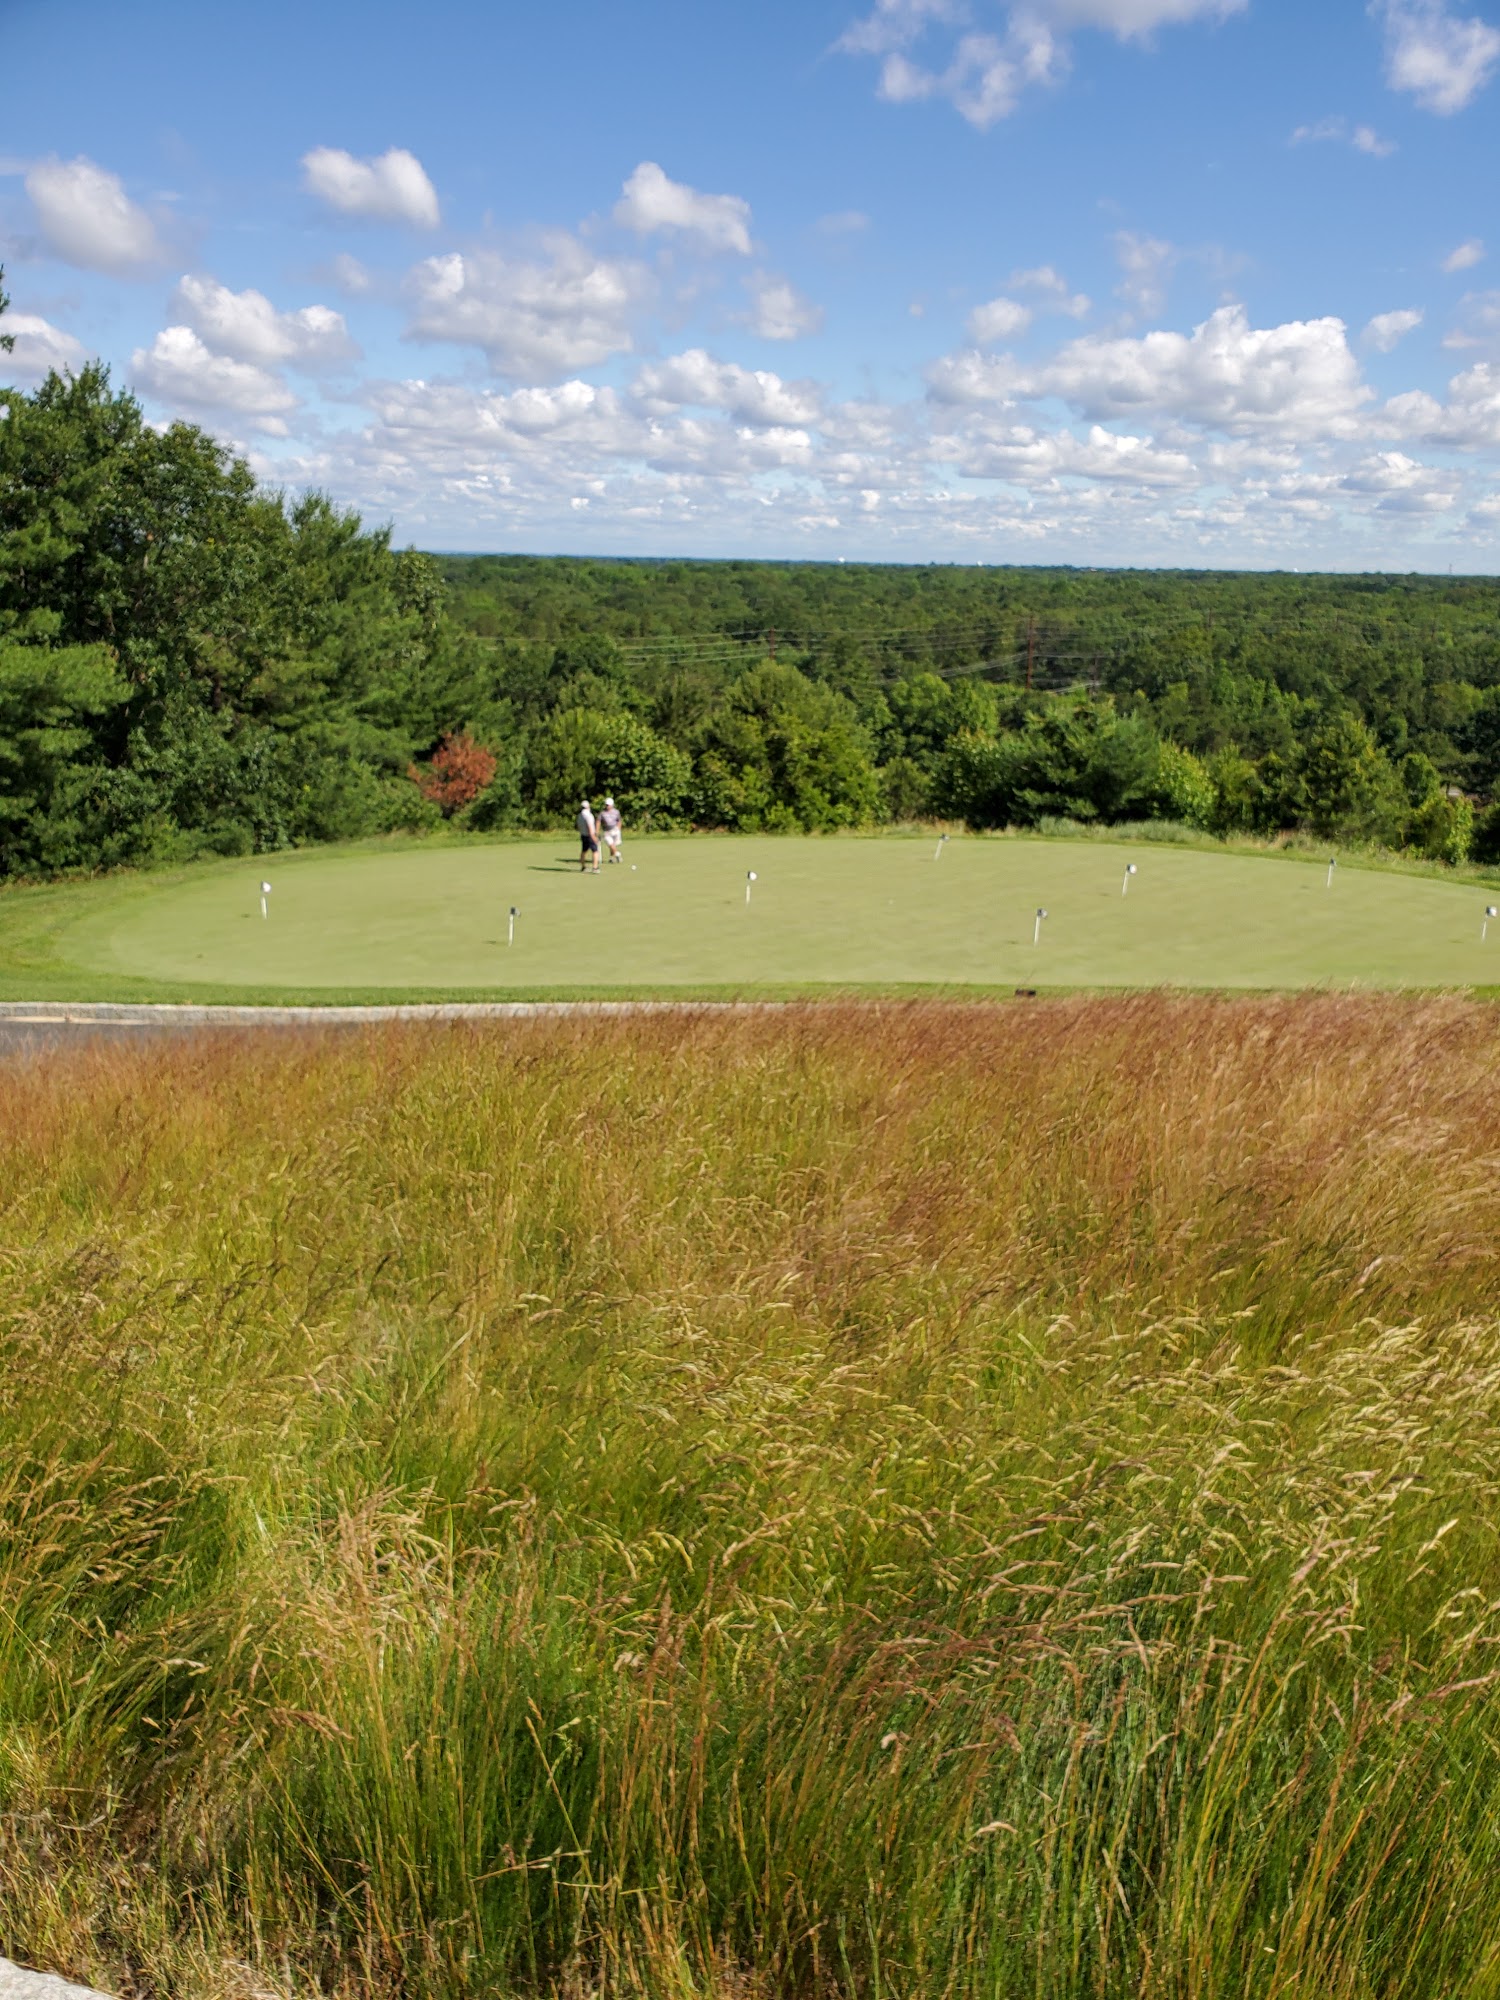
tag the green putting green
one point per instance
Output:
(408, 918)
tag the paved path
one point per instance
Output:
(35, 1026)
(16, 1983)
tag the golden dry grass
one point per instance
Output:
(893, 1501)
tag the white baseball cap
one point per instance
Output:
(609, 802)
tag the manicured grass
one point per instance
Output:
(860, 1503)
(400, 920)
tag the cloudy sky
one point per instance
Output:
(1203, 282)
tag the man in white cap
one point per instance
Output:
(588, 833)
(610, 826)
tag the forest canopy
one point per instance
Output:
(190, 664)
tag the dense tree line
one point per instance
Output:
(189, 664)
(1353, 706)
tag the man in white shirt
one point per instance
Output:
(610, 826)
(588, 833)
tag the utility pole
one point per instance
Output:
(1030, 648)
(771, 640)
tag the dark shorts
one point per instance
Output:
(590, 846)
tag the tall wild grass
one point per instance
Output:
(885, 1502)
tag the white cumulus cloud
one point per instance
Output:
(1441, 58)
(1465, 257)
(1299, 378)
(650, 202)
(40, 349)
(534, 319)
(1401, 485)
(393, 187)
(1127, 18)
(180, 371)
(1053, 291)
(752, 396)
(351, 277)
(1478, 322)
(1469, 420)
(1146, 265)
(1021, 453)
(1387, 330)
(985, 72)
(701, 447)
(1248, 442)
(998, 319)
(485, 418)
(87, 219)
(895, 24)
(778, 311)
(1363, 138)
(248, 327)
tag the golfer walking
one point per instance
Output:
(610, 826)
(588, 833)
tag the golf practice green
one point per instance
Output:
(404, 918)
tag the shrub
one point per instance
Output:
(1236, 785)
(1442, 828)
(1484, 847)
(582, 753)
(1183, 791)
(906, 787)
(459, 771)
(784, 753)
(1350, 790)
(1075, 759)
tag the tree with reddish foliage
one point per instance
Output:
(460, 770)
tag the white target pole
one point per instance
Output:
(1333, 862)
(514, 913)
(1130, 870)
(1484, 928)
(942, 843)
(265, 908)
(1036, 931)
(750, 879)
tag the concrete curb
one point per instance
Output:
(17, 1983)
(116, 1014)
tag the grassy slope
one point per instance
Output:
(901, 1502)
(399, 920)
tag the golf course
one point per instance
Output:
(406, 919)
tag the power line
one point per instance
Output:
(1082, 641)
(1217, 633)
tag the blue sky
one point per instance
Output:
(1200, 282)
